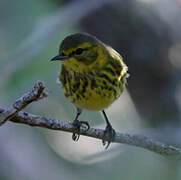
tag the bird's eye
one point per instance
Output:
(79, 51)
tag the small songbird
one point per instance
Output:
(93, 76)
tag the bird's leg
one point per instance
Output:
(109, 132)
(77, 124)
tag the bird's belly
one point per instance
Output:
(93, 99)
(93, 92)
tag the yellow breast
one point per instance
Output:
(91, 91)
(95, 99)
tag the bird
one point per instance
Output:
(93, 75)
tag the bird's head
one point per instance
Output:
(82, 52)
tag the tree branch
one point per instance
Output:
(34, 95)
(16, 115)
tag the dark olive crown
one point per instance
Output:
(75, 40)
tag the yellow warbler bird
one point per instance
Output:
(93, 76)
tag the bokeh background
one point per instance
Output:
(147, 33)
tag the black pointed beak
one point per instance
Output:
(59, 57)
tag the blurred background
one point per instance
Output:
(146, 33)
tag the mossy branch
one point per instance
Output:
(14, 114)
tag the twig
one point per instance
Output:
(33, 120)
(35, 94)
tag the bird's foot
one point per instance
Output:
(109, 133)
(77, 124)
